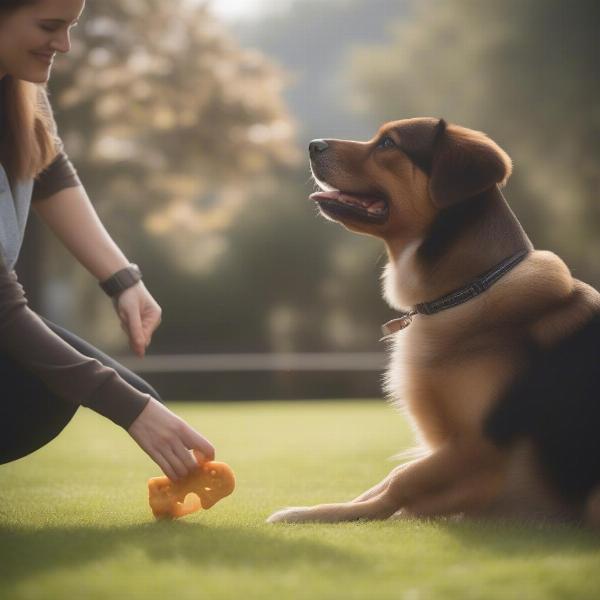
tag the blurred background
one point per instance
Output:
(188, 122)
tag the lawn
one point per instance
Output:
(75, 523)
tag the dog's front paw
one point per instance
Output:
(294, 514)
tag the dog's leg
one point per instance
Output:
(382, 485)
(433, 477)
(332, 513)
(471, 496)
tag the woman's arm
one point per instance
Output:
(71, 216)
(67, 373)
(26, 339)
(165, 437)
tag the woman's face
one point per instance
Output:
(31, 36)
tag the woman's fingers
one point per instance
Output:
(185, 456)
(194, 441)
(174, 461)
(164, 465)
(137, 339)
(140, 316)
(167, 439)
(178, 460)
(151, 317)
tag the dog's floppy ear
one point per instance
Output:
(464, 164)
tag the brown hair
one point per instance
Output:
(28, 140)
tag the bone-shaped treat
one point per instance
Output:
(200, 489)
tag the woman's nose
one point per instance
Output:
(62, 43)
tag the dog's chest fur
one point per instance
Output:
(448, 369)
(449, 387)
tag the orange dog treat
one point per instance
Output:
(201, 489)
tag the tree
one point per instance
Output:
(527, 73)
(171, 126)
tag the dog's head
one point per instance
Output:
(396, 184)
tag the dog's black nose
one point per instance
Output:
(317, 146)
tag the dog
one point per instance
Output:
(495, 355)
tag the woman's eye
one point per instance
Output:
(386, 142)
(53, 27)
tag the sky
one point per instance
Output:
(245, 9)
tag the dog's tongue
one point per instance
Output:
(333, 195)
(371, 205)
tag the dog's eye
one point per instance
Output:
(386, 142)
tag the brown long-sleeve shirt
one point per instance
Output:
(28, 341)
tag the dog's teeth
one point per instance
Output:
(377, 207)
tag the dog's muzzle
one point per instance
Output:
(316, 147)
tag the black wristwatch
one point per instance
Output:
(121, 280)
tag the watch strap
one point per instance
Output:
(121, 280)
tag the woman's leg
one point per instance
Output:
(31, 416)
(88, 350)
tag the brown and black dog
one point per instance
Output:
(502, 384)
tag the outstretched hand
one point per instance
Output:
(168, 440)
(140, 316)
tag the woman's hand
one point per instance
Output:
(167, 439)
(140, 316)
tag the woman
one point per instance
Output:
(45, 371)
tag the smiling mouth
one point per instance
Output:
(361, 207)
(45, 58)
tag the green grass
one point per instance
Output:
(74, 520)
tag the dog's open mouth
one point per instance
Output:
(338, 204)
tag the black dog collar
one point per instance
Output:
(473, 289)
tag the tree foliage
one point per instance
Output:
(173, 128)
(166, 117)
(527, 73)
